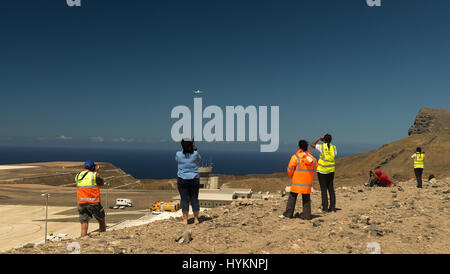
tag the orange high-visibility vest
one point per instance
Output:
(301, 169)
(87, 190)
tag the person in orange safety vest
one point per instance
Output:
(88, 197)
(301, 169)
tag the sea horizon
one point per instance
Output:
(154, 163)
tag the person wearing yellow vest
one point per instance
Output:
(301, 169)
(88, 196)
(326, 170)
(419, 164)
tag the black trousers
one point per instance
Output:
(326, 182)
(375, 182)
(418, 172)
(292, 200)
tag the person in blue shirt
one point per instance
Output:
(188, 181)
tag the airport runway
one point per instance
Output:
(18, 225)
(21, 224)
(22, 207)
(22, 211)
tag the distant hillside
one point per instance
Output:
(62, 174)
(431, 131)
(395, 158)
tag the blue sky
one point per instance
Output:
(108, 74)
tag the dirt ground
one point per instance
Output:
(400, 219)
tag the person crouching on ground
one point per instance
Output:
(301, 169)
(88, 196)
(380, 179)
(325, 171)
(188, 182)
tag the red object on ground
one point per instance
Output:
(383, 178)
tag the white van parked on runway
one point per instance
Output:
(124, 202)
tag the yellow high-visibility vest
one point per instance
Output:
(327, 162)
(419, 160)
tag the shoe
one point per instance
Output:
(282, 217)
(304, 218)
(332, 210)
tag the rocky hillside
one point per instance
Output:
(395, 158)
(431, 131)
(400, 219)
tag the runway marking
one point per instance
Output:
(14, 227)
(16, 167)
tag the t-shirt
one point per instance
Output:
(188, 164)
(319, 149)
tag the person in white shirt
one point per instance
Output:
(325, 171)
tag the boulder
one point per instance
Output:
(184, 237)
(29, 245)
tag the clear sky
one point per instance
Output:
(108, 73)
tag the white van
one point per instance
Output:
(124, 202)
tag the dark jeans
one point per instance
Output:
(326, 182)
(290, 206)
(189, 193)
(418, 172)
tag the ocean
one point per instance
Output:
(153, 164)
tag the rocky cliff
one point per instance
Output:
(431, 120)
